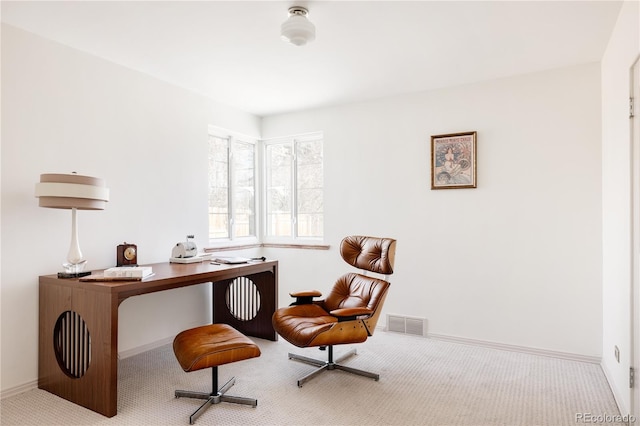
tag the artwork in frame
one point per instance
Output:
(453, 161)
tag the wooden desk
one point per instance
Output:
(78, 325)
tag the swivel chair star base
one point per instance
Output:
(330, 364)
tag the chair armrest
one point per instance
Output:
(304, 297)
(344, 314)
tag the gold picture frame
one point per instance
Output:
(453, 160)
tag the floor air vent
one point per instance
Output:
(407, 325)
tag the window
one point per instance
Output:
(232, 186)
(294, 187)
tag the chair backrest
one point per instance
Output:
(369, 253)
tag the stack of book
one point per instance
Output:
(134, 272)
(122, 273)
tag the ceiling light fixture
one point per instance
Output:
(298, 29)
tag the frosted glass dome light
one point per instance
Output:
(297, 29)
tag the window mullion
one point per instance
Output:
(294, 191)
(230, 185)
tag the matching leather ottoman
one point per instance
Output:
(210, 346)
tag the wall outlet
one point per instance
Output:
(616, 353)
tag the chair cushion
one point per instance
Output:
(212, 345)
(300, 324)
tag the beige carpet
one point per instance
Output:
(422, 382)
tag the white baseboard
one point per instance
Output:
(516, 348)
(16, 390)
(144, 348)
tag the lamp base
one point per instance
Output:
(73, 268)
(73, 274)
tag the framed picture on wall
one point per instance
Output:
(453, 161)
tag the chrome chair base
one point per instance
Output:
(214, 398)
(330, 364)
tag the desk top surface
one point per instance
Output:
(167, 275)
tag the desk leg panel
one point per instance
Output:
(53, 301)
(78, 346)
(247, 304)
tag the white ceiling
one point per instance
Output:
(231, 51)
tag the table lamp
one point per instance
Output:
(75, 192)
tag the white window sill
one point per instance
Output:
(242, 246)
(295, 245)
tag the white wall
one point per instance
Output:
(622, 51)
(515, 261)
(65, 111)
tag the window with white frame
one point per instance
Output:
(293, 185)
(291, 192)
(232, 186)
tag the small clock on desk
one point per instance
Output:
(127, 255)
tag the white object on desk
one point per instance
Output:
(194, 259)
(185, 249)
(129, 271)
(231, 260)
